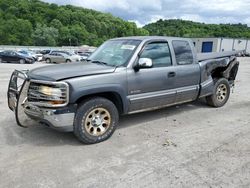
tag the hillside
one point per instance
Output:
(32, 22)
(183, 28)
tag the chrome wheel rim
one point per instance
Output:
(221, 92)
(97, 121)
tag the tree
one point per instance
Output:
(27, 22)
(45, 36)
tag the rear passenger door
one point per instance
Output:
(4, 56)
(60, 58)
(11, 56)
(53, 56)
(187, 71)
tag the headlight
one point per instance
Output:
(49, 94)
(46, 90)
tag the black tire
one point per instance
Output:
(220, 94)
(85, 129)
(22, 61)
(48, 60)
(68, 61)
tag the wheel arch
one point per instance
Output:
(226, 70)
(215, 69)
(117, 96)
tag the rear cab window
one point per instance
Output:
(183, 52)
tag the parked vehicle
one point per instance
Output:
(45, 52)
(123, 76)
(61, 57)
(84, 55)
(36, 56)
(15, 57)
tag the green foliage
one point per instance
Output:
(44, 35)
(181, 28)
(32, 22)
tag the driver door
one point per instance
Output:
(152, 87)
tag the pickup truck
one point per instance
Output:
(123, 76)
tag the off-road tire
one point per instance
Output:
(82, 118)
(220, 94)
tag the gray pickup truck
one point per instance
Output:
(123, 76)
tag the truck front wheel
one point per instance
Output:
(96, 120)
(220, 94)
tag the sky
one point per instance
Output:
(146, 11)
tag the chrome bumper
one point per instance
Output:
(57, 118)
(61, 119)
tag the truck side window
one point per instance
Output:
(183, 52)
(159, 53)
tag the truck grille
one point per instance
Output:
(37, 97)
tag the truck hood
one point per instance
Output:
(66, 71)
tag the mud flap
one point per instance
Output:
(17, 96)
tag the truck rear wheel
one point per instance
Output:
(96, 120)
(220, 94)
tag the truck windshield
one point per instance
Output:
(115, 52)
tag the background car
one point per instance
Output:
(15, 57)
(69, 53)
(36, 56)
(61, 57)
(84, 55)
(45, 51)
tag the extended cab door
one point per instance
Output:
(187, 71)
(152, 87)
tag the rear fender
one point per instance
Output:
(232, 70)
(219, 68)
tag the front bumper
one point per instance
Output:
(57, 118)
(61, 119)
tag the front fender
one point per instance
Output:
(78, 93)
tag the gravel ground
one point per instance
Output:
(190, 145)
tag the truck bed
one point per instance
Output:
(215, 55)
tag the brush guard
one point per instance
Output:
(17, 96)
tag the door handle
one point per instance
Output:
(171, 74)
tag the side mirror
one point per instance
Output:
(144, 63)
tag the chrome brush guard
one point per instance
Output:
(17, 96)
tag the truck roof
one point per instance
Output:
(146, 38)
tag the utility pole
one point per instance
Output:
(69, 41)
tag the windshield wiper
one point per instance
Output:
(99, 62)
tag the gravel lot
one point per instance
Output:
(190, 145)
